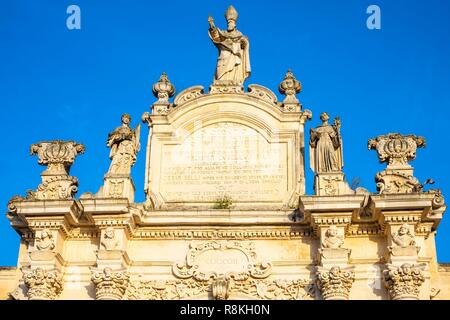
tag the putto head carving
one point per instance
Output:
(290, 86)
(396, 149)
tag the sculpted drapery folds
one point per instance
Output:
(124, 144)
(233, 64)
(326, 146)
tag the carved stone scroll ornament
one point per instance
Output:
(202, 261)
(42, 284)
(290, 86)
(404, 282)
(335, 283)
(58, 156)
(110, 284)
(396, 150)
(221, 288)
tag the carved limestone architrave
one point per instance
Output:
(335, 283)
(404, 282)
(163, 90)
(58, 156)
(42, 284)
(229, 259)
(110, 284)
(222, 288)
(396, 150)
(289, 87)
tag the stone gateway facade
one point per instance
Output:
(226, 214)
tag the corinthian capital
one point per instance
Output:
(404, 282)
(335, 283)
(42, 284)
(110, 284)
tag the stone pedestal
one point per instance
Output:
(331, 184)
(119, 186)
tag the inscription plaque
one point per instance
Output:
(224, 159)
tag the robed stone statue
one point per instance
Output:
(326, 146)
(124, 144)
(233, 64)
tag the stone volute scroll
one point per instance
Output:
(396, 150)
(124, 142)
(335, 283)
(58, 156)
(404, 282)
(326, 158)
(233, 63)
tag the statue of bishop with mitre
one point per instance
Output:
(233, 64)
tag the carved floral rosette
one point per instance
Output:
(59, 157)
(335, 283)
(110, 284)
(404, 282)
(43, 284)
(191, 268)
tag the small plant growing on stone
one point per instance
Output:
(223, 203)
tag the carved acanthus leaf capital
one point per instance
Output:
(404, 282)
(335, 283)
(43, 284)
(110, 284)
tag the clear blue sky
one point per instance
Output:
(62, 84)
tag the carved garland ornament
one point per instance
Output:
(221, 288)
(249, 267)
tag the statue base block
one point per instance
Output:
(334, 256)
(118, 187)
(331, 184)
